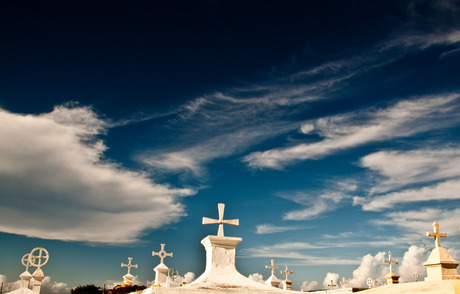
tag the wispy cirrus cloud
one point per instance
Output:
(402, 168)
(315, 203)
(270, 229)
(412, 176)
(421, 220)
(230, 121)
(340, 132)
(53, 171)
(294, 250)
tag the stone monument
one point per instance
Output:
(128, 278)
(344, 283)
(287, 284)
(332, 285)
(391, 278)
(38, 257)
(220, 273)
(273, 280)
(440, 264)
(161, 271)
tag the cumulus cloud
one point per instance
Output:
(345, 131)
(9, 286)
(187, 278)
(370, 267)
(257, 278)
(270, 229)
(412, 263)
(53, 171)
(331, 277)
(309, 286)
(53, 287)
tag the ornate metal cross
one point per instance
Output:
(162, 253)
(390, 261)
(287, 272)
(437, 235)
(272, 267)
(221, 221)
(129, 265)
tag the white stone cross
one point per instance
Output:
(390, 261)
(344, 282)
(272, 267)
(27, 260)
(129, 265)
(162, 253)
(332, 284)
(221, 221)
(437, 235)
(36, 260)
(287, 272)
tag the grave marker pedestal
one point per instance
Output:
(440, 264)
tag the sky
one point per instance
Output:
(330, 129)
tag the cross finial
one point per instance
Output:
(27, 260)
(332, 284)
(437, 235)
(162, 253)
(344, 282)
(103, 289)
(390, 261)
(287, 272)
(272, 267)
(129, 265)
(221, 221)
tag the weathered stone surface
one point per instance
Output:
(432, 287)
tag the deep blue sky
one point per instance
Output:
(329, 128)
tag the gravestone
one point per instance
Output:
(440, 264)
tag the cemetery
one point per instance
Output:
(222, 276)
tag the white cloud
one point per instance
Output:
(270, 229)
(294, 250)
(421, 220)
(443, 191)
(9, 286)
(331, 277)
(307, 128)
(401, 168)
(413, 263)
(308, 286)
(56, 183)
(314, 205)
(341, 132)
(194, 157)
(257, 278)
(187, 278)
(370, 267)
(53, 287)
